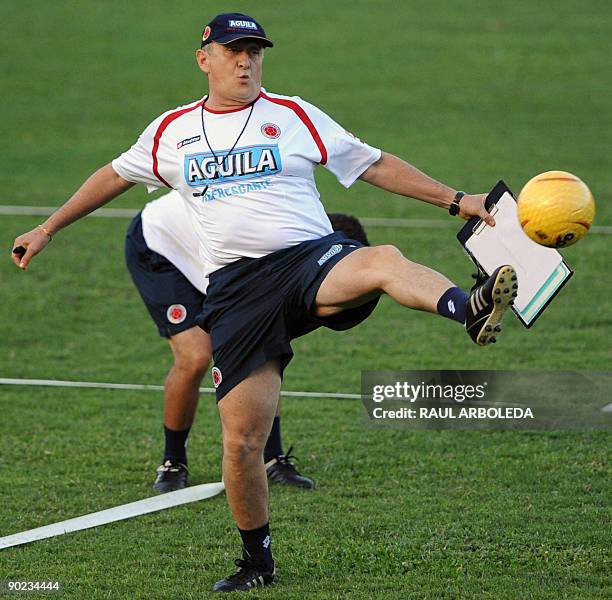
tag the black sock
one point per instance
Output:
(256, 544)
(452, 304)
(176, 445)
(273, 447)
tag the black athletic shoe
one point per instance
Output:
(480, 276)
(250, 574)
(487, 304)
(281, 470)
(171, 476)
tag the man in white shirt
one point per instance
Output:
(243, 160)
(162, 256)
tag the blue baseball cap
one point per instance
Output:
(228, 27)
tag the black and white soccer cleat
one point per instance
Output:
(250, 574)
(487, 304)
(281, 470)
(171, 476)
(480, 277)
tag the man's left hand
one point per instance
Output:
(473, 205)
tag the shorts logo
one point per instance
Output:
(191, 140)
(176, 314)
(270, 130)
(331, 252)
(217, 377)
(206, 33)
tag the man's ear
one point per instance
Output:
(202, 60)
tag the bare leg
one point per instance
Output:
(192, 351)
(247, 412)
(368, 272)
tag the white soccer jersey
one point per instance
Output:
(263, 197)
(168, 230)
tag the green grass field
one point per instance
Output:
(470, 92)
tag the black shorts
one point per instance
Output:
(172, 301)
(256, 306)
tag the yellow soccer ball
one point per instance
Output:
(556, 209)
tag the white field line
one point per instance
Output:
(117, 513)
(137, 386)
(44, 211)
(128, 213)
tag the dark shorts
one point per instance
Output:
(256, 306)
(172, 301)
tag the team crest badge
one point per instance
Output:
(270, 130)
(217, 377)
(176, 314)
(206, 33)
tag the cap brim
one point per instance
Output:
(232, 37)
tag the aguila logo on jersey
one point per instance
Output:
(242, 24)
(271, 130)
(202, 169)
(217, 377)
(176, 314)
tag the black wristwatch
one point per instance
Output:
(453, 209)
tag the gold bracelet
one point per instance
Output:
(45, 231)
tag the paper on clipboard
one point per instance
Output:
(541, 271)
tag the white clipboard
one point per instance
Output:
(541, 271)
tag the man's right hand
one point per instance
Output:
(32, 242)
(100, 188)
